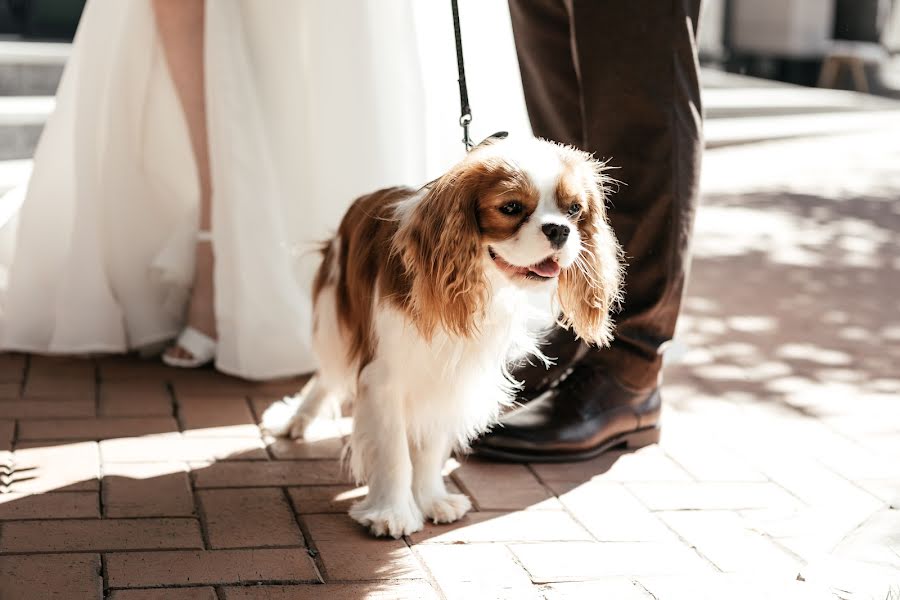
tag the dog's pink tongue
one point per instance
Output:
(546, 268)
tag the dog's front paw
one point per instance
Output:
(395, 521)
(447, 509)
(277, 419)
(299, 426)
(285, 419)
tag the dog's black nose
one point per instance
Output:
(556, 233)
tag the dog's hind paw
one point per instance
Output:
(393, 521)
(447, 509)
(279, 419)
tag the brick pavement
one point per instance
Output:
(122, 479)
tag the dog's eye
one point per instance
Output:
(511, 208)
(574, 209)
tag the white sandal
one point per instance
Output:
(201, 347)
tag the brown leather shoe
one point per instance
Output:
(582, 416)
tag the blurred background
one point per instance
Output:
(786, 40)
(831, 43)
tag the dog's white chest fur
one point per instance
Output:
(451, 386)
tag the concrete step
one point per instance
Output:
(13, 173)
(741, 110)
(31, 68)
(29, 75)
(22, 119)
(738, 109)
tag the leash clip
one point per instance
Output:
(464, 120)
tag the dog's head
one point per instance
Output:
(533, 211)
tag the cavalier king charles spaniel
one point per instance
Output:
(422, 303)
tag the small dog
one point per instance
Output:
(421, 304)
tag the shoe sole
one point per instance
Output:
(632, 440)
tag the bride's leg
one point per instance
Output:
(180, 27)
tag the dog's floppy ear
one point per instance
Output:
(440, 245)
(590, 289)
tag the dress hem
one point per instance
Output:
(101, 349)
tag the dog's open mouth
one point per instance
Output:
(545, 269)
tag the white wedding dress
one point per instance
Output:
(310, 103)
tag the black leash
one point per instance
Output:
(465, 116)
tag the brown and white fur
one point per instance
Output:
(421, 303)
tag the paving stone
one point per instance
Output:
(861, 463)
(477, 571)
(63, 467)
(709, 461)
(672, 495)
(206, 382)
(361, 559)
(135, 398)
(60, 576)
(10, 391)
(378, 590)
(334, 528)
(825, 521)
(576, 561)
(12, 368)
(94, 429)
(173, 447)
(271, 474)
(216, 416)
(248, 518)
(146, 490)
(67, 505)
(61, 387)
(861, 425)
(886, 490)
(813, 483)
(39, 408)
(95, 535)
(724, 539)
(133, 369)
(647, 464)
(808, 548)
(619, 588)
(733, 587)
(499, 486)
(49, 367)
(882, 444)
(281, 387)
(862, 578)
(613, 514)
(209, 567)
(7, 430)
(326, 498)
(874, 542)
(525, 526)
(199, 593)
(791, 438)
